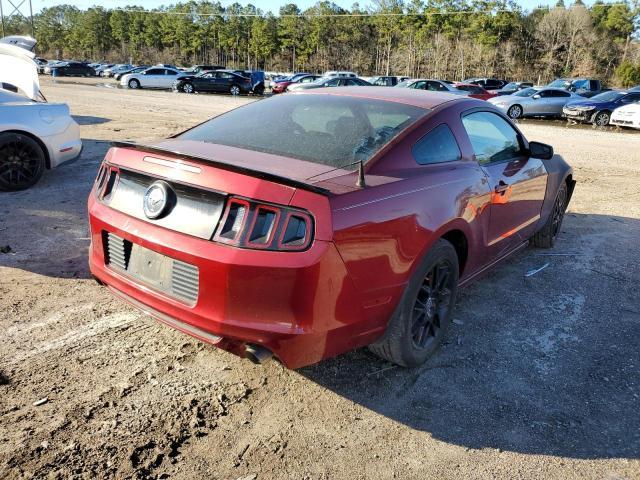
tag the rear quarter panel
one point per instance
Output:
(382, 230)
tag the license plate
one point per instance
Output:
(151, 267)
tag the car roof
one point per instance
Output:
(408, 96)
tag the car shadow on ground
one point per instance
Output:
(546, 364)
(90, 120)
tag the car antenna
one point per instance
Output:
(360, 182)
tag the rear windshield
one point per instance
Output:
(326, 129)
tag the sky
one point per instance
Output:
(267, 5)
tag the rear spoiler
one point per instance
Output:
(225, 166)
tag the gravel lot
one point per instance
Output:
(539, 378)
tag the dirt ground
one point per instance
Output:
(539, 378)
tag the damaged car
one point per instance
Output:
(34, 135)
(352, 221)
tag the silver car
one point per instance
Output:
(431, 85)
(534, 102)
(329, 82)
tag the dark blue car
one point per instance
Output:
(597, 109)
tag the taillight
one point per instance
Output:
(247, 223)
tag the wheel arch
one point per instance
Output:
(47, 157)
(460, 243)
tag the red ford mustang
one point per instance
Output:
(353, 222)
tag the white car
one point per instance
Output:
(340, 73)
(626, 116)
(34, 135)
(154, 77)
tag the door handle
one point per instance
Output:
(501, 188)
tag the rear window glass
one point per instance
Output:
(327, 129)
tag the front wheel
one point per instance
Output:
(423, 315)
(546, 237)
(514, 112)
(601, 119)
(234, 90)
(134, 84)
(22, 162)
(188, 88)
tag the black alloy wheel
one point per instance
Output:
(557, 215)
(432, 305)
(423, 315)
(22, 162)
(547, 235)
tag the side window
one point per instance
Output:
(155, 71)
(334, 82)
(492, 138)
(437, 146)
(350, 82)
(560, 93)
(170, 72)
(418, 85)
(545, 93)
(225, 75)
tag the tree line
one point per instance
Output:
(451, 39)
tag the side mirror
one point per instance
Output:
(536, 96)
(540, 150)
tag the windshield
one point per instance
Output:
(559, 83)
(607, 96)
(510, 86)
(403, 84)
(325, 129)
(527, 92)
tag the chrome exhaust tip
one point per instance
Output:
(257, 354)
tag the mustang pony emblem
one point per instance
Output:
(156, 199)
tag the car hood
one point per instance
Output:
(18, 68)
(586, 103)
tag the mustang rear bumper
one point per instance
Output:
(302, 306)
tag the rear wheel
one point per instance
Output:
(188, 88)
(134, 84)
(234, 90)
(601, 119)
(22, 162)
(546, 237)
(515, 111)
(422, 318)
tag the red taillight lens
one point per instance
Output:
(249, 224)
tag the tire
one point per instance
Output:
(546, 237)
(601, 119)
(187, 88)
(259, 90)
(514, 112)
(234, 90)
(133, 84)
(22, 162)
(422, 317)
